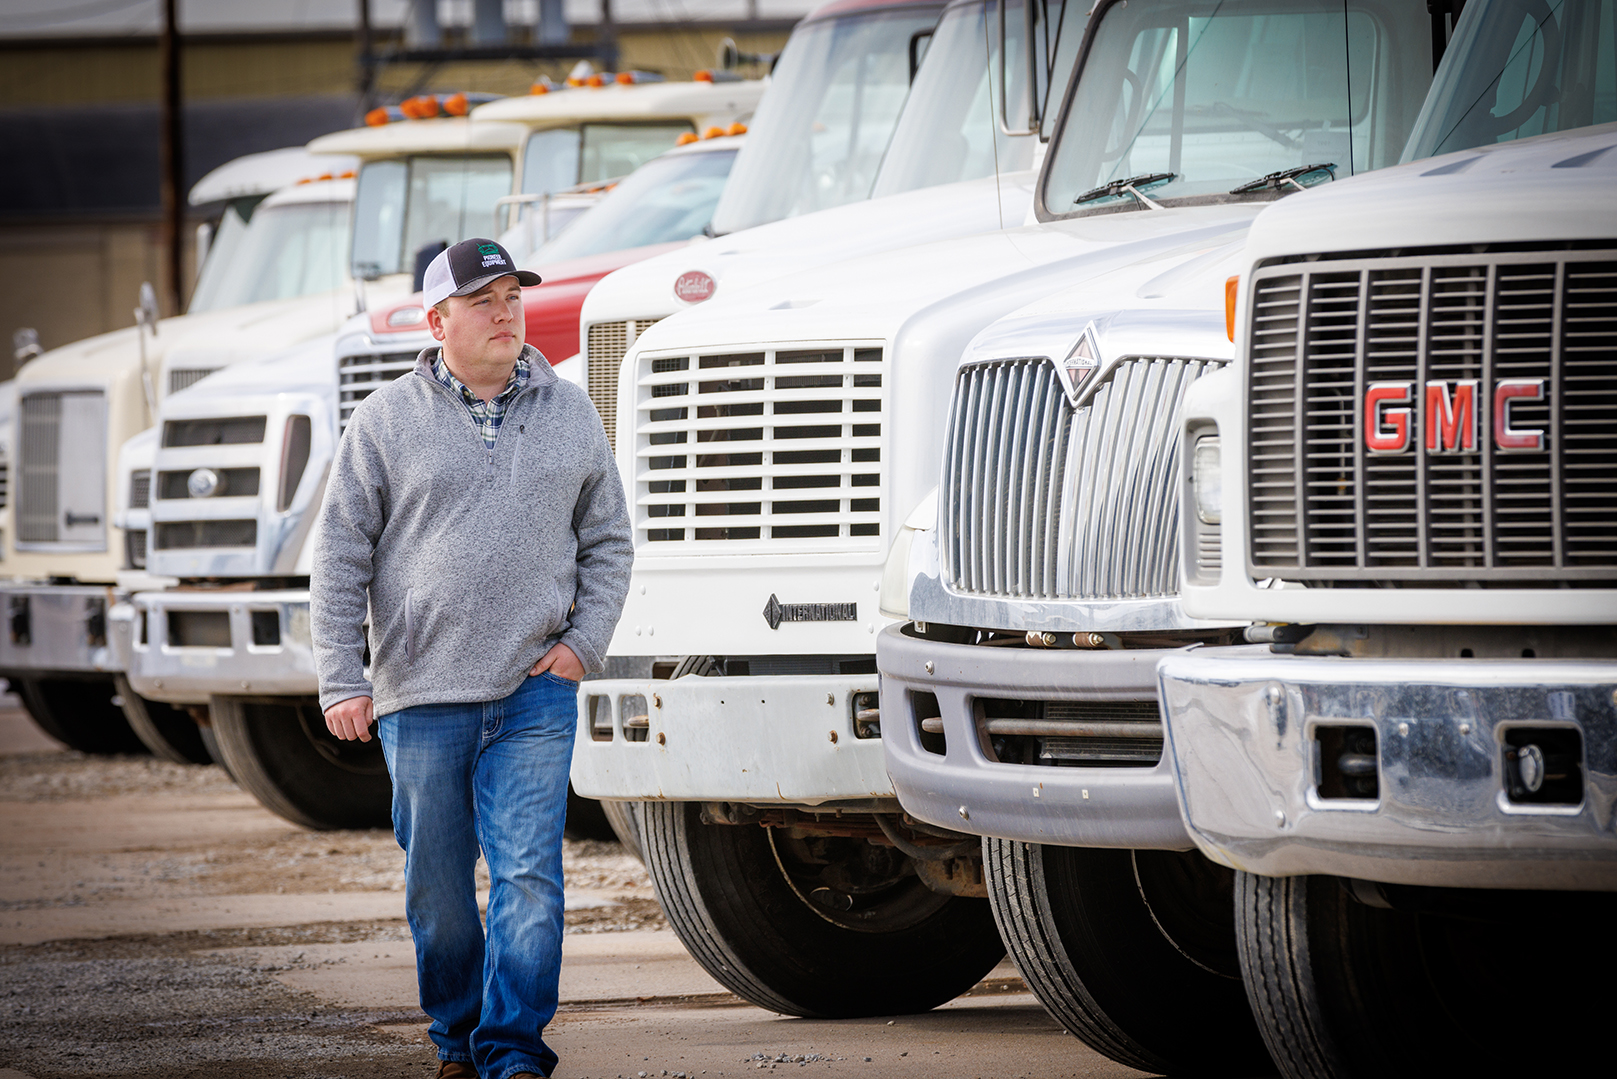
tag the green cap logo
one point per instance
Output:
(488, 249)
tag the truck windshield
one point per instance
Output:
(1518, 68)
(285, 251)
(950, 128)
(560, 157)
(402, 206)
(1196, 98)
(666, 200)
(820, 131)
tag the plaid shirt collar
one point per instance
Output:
(489, 414)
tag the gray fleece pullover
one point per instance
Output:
(474, 561)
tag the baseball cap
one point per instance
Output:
(463, 268)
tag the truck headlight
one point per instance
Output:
(1207, 480)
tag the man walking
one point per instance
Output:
(475, 511)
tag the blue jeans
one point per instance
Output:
(490, 775)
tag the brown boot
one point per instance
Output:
(456, 1069)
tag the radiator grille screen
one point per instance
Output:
(140, 489)
(1038, 500)
(605, 347)
(184, 377)
(1435, 418)
(38, 502)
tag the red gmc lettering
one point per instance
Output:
(1505, 436)
(1387, 429)
(1451, 422)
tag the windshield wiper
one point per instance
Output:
(1276, 180)
(1129, 186)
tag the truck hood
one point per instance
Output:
(307, 367)
(209, 339)
(1549, 187)
(875, 296)
(747, 258)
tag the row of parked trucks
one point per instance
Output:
(1076, 512)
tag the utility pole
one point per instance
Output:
(367, 59)
(171, 152)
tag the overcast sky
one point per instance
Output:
(67, 18)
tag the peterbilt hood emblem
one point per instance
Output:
(694, 286)
(1079, 364)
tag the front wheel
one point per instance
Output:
(1132, 951)
(80, 713)
(169, 732)
(823, 927)
(281, 753)
(1351, 979)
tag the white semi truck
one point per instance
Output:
(1404, 482)
(249, 655)
(775, 442)
(275, 275)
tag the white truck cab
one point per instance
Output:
(275, 275)
(776, 441)
(820, 184)
(1405, 483)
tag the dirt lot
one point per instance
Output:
(156, 922)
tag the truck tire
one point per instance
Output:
(1132, 951)
(169, 732)
(211, 741)
(738, 896)
(280, 752)
(586, 818)
(625, 820)
(79, 713)
(1343, 988)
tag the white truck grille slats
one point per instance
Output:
(360, 375)
(776, 446)
(1425, 335)
(184, 377)
(604, 349)
(140, 488)
(1039, 501)
(5, 483)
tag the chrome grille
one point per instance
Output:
(135, 548)
(38, 501)
(776, 446)
(140, 489)
(183, 377)
(1450, 507)
(605, 346)
(1040, 501)
(360, 375)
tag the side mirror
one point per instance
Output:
(920, 41)
(731, 57)
(1034, 19)
(25, 345)
(146, 314)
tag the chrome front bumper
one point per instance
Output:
(1256, 743)
(964, 789)
(766, 739)
(55, 628)
(182, 646)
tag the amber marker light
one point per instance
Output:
(737, 128)
(595, 80)
(713, 133)
(376, 118)
(685, 139)
(1231, 287)
(702, 76)
(457, 105)
(538, 88)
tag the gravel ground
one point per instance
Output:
(149, 1006)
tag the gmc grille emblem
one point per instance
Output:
(1449, 415)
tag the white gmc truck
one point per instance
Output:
(775, 442)
(1405, 482)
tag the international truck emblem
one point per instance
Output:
(776, 612)
(1080, 363)
(1449, 416)
(694, 286)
